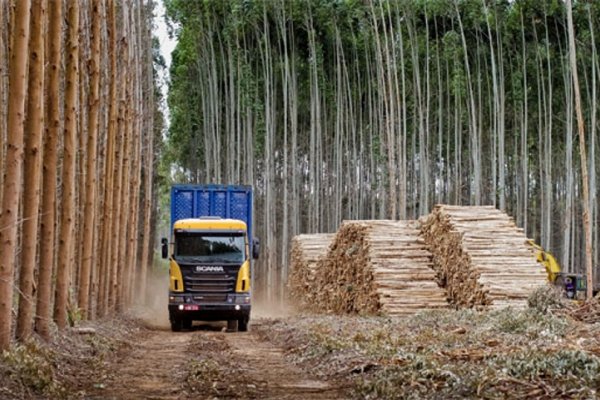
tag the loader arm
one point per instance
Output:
(548, 261)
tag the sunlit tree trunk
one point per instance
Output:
(12, 184)
(90, 222)
(53, 125)
(34, 129)
(4, 58)
(106, 248)
(592, 167)
(582, 153)
(65, 243)
(473, 126)
(148, 117)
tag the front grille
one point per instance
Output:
(209, 287)
(215, 283)
(210, 298)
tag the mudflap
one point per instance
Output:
(232, 325)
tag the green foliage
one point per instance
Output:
(555, 365)
(546, 299)
(32, 365)
(530, 323)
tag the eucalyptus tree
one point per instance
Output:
(90, 221)
(50, 174)
(377, 109)
(34, 130)
(67, 222)
(12, 186)
(582, 151)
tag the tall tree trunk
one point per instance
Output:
(473, 126)
(48, 237)
(4, 39)
(126, 200)
(89, 223)
(148, 116)
(524, 134)
(582, 153)
(134, 176)
(65, 249)
(12, 183)
(33, 164)
(107, 249)
(592, 168)
(567, 231)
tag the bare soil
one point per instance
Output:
(152, 369)
(208, 362)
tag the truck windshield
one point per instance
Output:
(210, 247)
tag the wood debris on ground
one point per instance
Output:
(378, 266)
(588, 311)
(306, 252)
(481, 256)
(448, 354)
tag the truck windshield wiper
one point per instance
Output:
(222, 260)
(194, 259)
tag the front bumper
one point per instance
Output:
(182, 306)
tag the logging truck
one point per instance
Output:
(210, 254)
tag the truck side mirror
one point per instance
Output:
(165, 247)
(255, 248)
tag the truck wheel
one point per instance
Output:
(243, 324)
(176, 325)
(232, 325)
(187, 323)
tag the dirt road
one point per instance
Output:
(208, 363)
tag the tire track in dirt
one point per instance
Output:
(153, 369)
(158, 363)
(277, 378)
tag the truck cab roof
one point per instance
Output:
(210, 223)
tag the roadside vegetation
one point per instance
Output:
(73, 363)
(448, 354)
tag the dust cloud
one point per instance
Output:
(272, 309)
(154, 313)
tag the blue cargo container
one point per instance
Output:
(225, 201)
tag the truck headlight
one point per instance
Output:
(242, 300)
(175, 299)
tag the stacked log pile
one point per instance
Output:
(306, 251)
(378, 266)
(481, 257)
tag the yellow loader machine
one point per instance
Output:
(210, 253)
(573, 285)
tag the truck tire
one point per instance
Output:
(176, 325)
(232, 325)
(243, 324)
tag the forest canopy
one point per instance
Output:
(356, 109)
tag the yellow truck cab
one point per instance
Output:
(210, 261)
